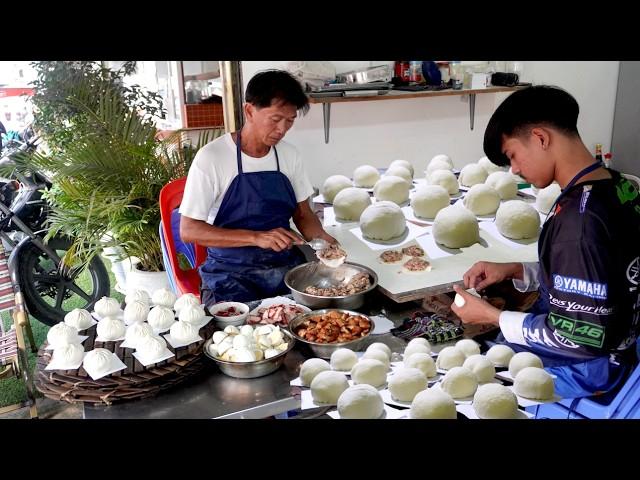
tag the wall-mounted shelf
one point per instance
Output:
(400, 95)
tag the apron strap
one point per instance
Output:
(239, 153)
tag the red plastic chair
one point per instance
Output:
(187, 281)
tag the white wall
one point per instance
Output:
(378, 132)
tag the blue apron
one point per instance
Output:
(257, 201)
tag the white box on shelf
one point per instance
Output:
(480, 80)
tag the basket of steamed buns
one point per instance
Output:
(118, 353)
(417, 383)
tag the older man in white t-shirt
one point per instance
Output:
(241, 192)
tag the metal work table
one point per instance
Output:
(212, 394)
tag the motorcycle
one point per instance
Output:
(50, 289)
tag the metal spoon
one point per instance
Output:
(318, 243)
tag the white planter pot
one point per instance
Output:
(120, 268)
(149, 281)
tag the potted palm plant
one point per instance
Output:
(107, 166)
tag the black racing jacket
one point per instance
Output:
(589, 252)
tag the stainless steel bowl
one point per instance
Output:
(324, 350)
(319, 275)
(251, 369)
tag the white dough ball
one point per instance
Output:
(468, 347)
(433, 404)
(246, 330)
(456, 227)
(533, 383)
(184, 300)
(98, 361)
(481, 366)
(370, 371)
(333, 185)
(183, 331)
(137, 296)
(421, 341)
(523, 360)
(459, 382)
(193, 314)
(350, 203)
(365, 176)
(135, 311)
(380, 346)
(546, 197)
(62, 334)
(403, 163)
(151, 347)
(423, 362)
(160, 317)
(110, 329)
(78, 318)
(504, 183)
(377, 355)
(500, 355)
(412, 349)
(391, 188)
(446, 179)
(482, 199)
(428, 200)
(450, 357)
(312, 367)
(459, 300)
(436, 165)
(163, 297)
(490, 167)
(517, 219)
(68, 355)
(441, 157)
(404, 384)
(495, 401)
(107, 306)
(327, 387)
(343, 359)
(472, 174)
(402, 172)
(136, 332)
(361, 402)
(382, 221)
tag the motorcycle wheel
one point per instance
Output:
(50, 295)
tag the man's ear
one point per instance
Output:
(249, 110)
(541, 136)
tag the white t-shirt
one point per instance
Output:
(215, 166)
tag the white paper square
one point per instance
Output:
(53, 365)
(93, 322)
(470, 412)
(307, 402)
(412, 232)
(526, 402)
(201, 323)
(320, 199)
(459, 401)
(177, 344)
(389, 400)
(330, 219)
(411, 216)
(119, 315)
(100, 339)
(434, 250)
(81, 337)
(146, 362)
(492, 229)
(382, 325)
(297, 382)
(504, 375)
(389, 413)
(116, 365)
(158, 331)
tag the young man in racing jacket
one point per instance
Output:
(585, 322)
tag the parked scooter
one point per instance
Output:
(50, 290)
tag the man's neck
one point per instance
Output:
(251, 145)
(572, 159)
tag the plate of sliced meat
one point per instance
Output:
(276, 311)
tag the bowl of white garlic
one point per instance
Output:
(249, 351)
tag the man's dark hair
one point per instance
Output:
(280, 85)
(540, 105)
